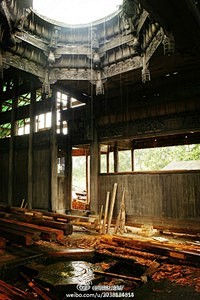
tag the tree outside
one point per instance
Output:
(152, 159)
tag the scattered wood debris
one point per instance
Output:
(10, 292)
(179, 274)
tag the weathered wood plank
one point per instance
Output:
(17, 237)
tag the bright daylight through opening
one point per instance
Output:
(76, 11)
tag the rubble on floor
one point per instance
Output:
(134, 259)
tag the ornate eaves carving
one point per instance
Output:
(157, 40)
(32, 40)
(123, 66)
(142, 20)
(151, 126)
(22, 64)
(116, 42)
(70, 74)
(73, 50)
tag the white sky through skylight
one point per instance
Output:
(76, 11)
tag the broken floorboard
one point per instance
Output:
(127, 246)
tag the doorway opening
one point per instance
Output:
(80, 179)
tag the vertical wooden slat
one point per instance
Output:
(112, 203)
(106, 212)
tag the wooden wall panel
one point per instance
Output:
(4, 163)
(173, 194)
(41, 178)
(20, 176)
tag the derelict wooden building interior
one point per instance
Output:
(129, 81)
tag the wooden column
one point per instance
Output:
(132, 160)
(68, 175)
(87, 176)
(11, 147)
(116, 158)
(94, 173)
(68, 164)
(30, 149)
(54, 155)
(108, 159)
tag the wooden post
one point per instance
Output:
(106, 213)
(116, 158)
(87, 177)
(120, 223)
(54, 155)
(11, 147)
(132, 160)
(112, 206)
(94, 173)
(30, 150)
(68, 175)
(100, 217)
(108, 159)
(68, 164)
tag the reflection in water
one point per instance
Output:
(67, 273)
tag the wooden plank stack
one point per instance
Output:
(23, 226)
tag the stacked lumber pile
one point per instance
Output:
(23, 226)
(50, 219)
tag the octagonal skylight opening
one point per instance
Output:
(76, 11)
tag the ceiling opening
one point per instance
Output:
(76, 11)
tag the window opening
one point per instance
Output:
(125, 161)
(61, 104)
(76, 103)
(6, 105)
(43, 121)
(5, 130)
(182, 157)
(168, 158)
(38, 95)
(23, 126)
(79, 179)
(24, 99)
(61, 165)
